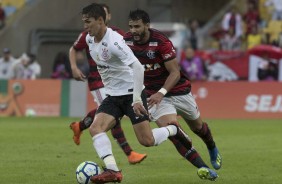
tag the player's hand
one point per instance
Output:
(78, 75)
(155, 99)
(139, 109)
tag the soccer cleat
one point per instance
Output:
(215, 158)
(207, 174)
(107, 176)
(135, 157)
(76, 132)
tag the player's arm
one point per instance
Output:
(174, 76)
(138, 78)
(76, 72)
(79, 44)
(168, 55)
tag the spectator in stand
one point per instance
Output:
(233, 19)
(7, 63)
(230, 41)
(194, 35)
(254, 38)
(279, 42)
(34, 65)
(268, 69)
(2, 16)
(193, 66)
(251, 17)
(27, 67)
(61, 67)
(277, 6)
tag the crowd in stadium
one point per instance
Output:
(236, 35)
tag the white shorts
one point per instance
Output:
(99, 95)
(183, 105)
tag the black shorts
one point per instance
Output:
(118, 106)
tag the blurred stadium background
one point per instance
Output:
(237, 104)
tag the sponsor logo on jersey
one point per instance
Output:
(151, 54)
(153, 44)
(150, 67)
(120, 48)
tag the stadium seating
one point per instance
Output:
(11, 6)
(273, 29)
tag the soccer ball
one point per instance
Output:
(30, 112)
(85, 170)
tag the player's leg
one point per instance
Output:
(182, 143)
(164, 115)
(145, 135)
(104, 120)
(186, 107)
(132, 156)
(79, 127)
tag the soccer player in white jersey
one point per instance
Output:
(123, 76)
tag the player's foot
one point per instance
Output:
(135, 157)
(76, 132)
(207, 174)
(107, 176)
(215, 158)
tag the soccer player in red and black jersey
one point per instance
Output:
(169, 92)
(96, 88)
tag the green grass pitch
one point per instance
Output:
(41, 151)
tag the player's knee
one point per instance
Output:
(94, 129)
(147, 142)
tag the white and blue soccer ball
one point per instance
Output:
(85, 170)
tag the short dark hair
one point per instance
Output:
(94, 10)
(139, 14)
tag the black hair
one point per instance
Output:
(94, 10)
(139, 14)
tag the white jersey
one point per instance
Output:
(113, 58)
(7, 68)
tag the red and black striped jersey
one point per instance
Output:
(153, 55)
(94, 78)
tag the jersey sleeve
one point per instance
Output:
(123, 52)
(167, 51)
(80, 43)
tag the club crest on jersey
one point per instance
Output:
(153, 44)
(151, 54)
(105, 54)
